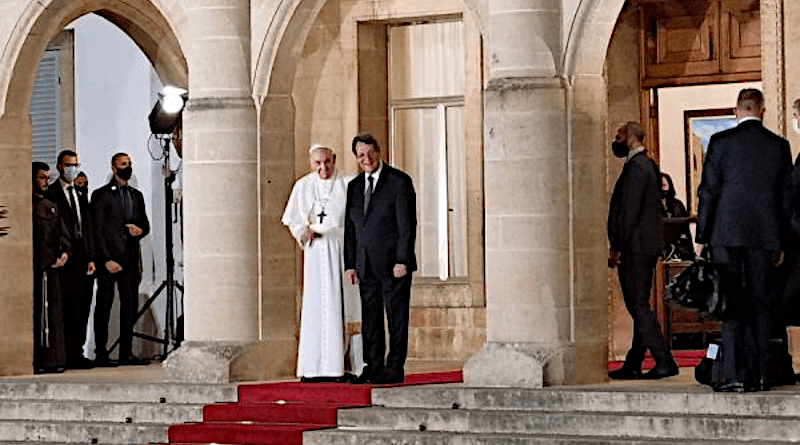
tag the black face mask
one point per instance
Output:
(125, 173)
(619, 148)
(665, 193)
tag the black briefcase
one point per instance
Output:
(698, 287)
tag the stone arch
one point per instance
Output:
(37, 23)
(276, 59)
(142, 20)
(587, 127)
(590, 36)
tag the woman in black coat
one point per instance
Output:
(671, 207)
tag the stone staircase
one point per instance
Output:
(453, 415)
(37, 411)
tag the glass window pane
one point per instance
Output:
(457, 192)
(426, 60)
(416, 143)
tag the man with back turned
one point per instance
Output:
(740, 219)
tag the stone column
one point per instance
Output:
(221, 302)
(16, 254)
(527, 183)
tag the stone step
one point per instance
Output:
(343, 437)
(775, 403)
(89, 411)
(80, 432)
(116, 392)
(601, 424)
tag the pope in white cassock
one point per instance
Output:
(315, 216)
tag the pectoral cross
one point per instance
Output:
(322, 215)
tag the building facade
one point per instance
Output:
(514, 284)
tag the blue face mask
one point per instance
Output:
(70, 173)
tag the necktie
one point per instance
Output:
(74, 207)
(368, 193)
(126, 202)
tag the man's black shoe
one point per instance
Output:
(760, 385)
(388, 376)
(660, 372)
(134, 361)
(83, 363)
(733, 386)
(49, 370)
(105, 362)
(362, 379)
(320, 379)
(624, 373)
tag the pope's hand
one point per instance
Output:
(350, 274)
(308, 235)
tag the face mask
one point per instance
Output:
(125, 173)
(665, 193)
(620, 149)
(795, 125)
(70, 173)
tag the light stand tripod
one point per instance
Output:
(171, 334)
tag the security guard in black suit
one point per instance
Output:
(741, 219)
(121, 222)
(635, 233)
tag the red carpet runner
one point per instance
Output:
(278, 413)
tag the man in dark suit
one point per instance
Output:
(740, 218)
(635, 233)
(120, 222)
(76, 278)
(380, 229)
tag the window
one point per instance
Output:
(45, 110)
(427, 137)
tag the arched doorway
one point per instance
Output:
(622, 97)
(297, 109)
(155, 34)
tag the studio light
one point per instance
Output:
(167, 110)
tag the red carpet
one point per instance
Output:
(278, 413)
(684, 359)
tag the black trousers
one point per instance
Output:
(127, 282)
(393, 294)
(77, 301)
(746, 329)
(636, 279)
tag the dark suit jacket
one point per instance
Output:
(111, 238)
(634, 216)
(741, 191)
(70, 219)
(385, 235)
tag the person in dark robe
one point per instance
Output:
(50, 254)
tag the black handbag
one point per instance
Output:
(698, 287)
